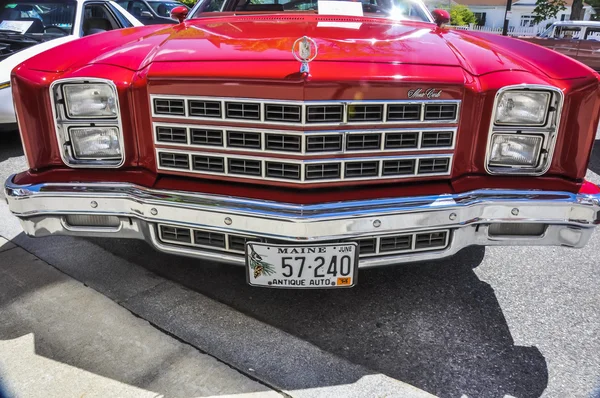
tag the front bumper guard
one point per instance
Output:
(569, 218)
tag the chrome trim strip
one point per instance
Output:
(549, 131)
(342, 161)
(62, 124)
(571, 218)
(303, 135)
(303, 105)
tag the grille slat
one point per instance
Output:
(395, 243)
(201, 108)
(282, 170)
(440, 111)
(207, 137)
(208, 163)
(238, 242)
(174, 234)
(242, 110)
(174, 160)
(398, 167)
(283, 113)
(431, 240)
(434, 165)
(324, 143)
(324, 113)
(365, 113)
(407, 139)
(367, 246)
(166, 106)
(243, 139)
(244, 167)
(361, 142)
(361, 169)
(436, 139)
(171, 134)
(206, 238)
(323, 171)
(283, 142)
(404, 112)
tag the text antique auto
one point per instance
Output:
(305, 147)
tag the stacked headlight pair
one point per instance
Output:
(88, 121)
(523, 130)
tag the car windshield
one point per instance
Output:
(37, 17)
(163, 8)
(396, 9)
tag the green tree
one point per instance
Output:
(546, 9)
(460, 15)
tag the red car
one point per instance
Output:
(304, 144)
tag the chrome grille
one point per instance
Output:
(404, 112)
(436, 139)
(283, 170)
(245, 167)
(205, 108)
(324, 143)
(171, 134)
(208, 163)
(243, 139)
(283, 113)
(361, 142)
(283, 142)
(365, 113)
(408, 139)
(406, 242)
(361, 169)
(398, 167)
(324, 113)
(242, 110)
(435, 165)
(269, 111)
(323, 171)
(440, 111)
(206, 137)
(174, 160)
(165, 106)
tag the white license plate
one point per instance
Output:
(303, 267)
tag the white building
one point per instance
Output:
(490, 13)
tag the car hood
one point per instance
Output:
(349, 39)
(7, 64)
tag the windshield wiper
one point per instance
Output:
(10, 31)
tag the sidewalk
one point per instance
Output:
(59, 338)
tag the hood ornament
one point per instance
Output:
(304, 50)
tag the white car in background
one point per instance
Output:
(29, 27)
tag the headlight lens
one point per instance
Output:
(90, 100)
(515, 150)
(96, 142)
(525, 108)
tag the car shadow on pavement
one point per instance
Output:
(434, 325)
(10, 145)
(594, 164)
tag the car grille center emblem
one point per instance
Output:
(304, 50)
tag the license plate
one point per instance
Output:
(302, 267)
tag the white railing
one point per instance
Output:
(512, 30)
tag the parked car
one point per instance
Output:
(151, 12)
(29, 27)
(304, 145)
(577, 39)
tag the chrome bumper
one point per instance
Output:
(43, 208)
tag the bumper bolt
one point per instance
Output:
(153, 211)
(94, 204)
(514, 212)
(228, 221)
(377, 223)
(452, 216)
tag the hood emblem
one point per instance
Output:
(304, 50)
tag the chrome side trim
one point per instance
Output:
(549, 131)
(304, 104)
(62, 124)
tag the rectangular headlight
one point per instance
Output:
(515, 150)
(523, 108)
(90, 100)
(96, 142)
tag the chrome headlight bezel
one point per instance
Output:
(548, 130)
(64, 122)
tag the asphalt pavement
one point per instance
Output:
(489, 322)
